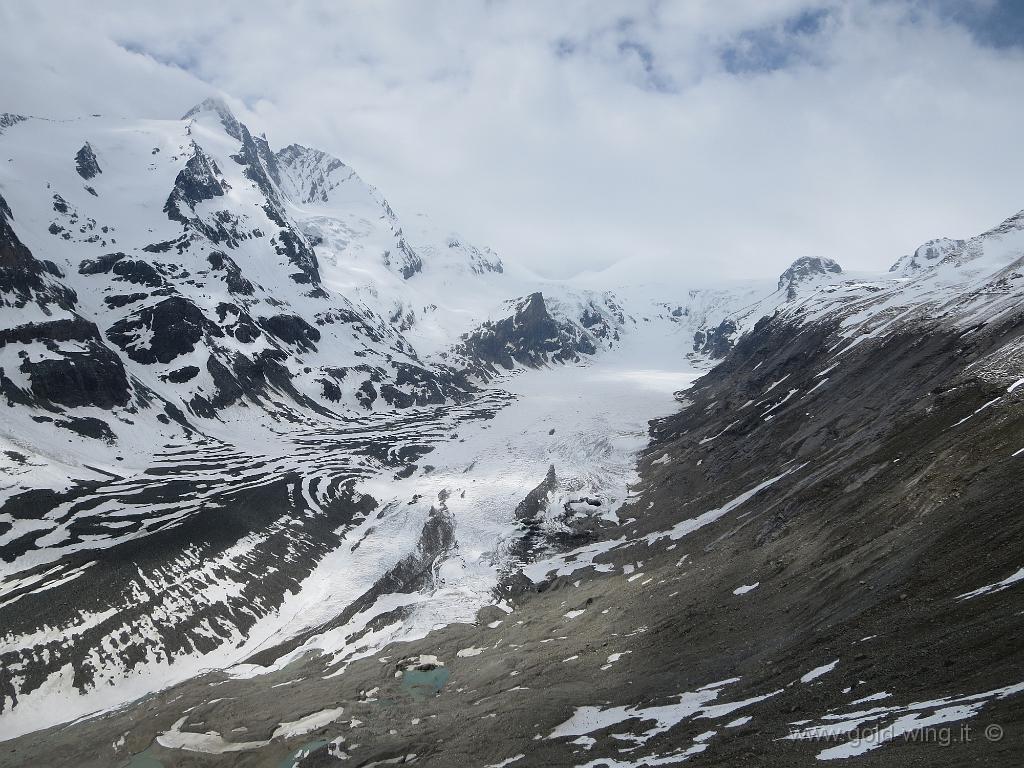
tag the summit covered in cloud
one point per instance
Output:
(630, 136)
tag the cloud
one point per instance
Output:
(693, 140)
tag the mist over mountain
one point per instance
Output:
(663, 140)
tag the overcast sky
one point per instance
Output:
(709, 138)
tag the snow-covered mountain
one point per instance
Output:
(259, 423)
(165, 279)
(216, 273)
(190, 317)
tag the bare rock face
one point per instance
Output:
(806, 268)
(162, 332)
(530, 336)
(7, 119)
(24, 278)
(77, 369)
(293, 330)
(88, 373)
(123, 269)
(530, 508)
(199, 180)
(86, 163)
(404, 259)
(716, 342)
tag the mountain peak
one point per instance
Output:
(804, 268)
(1011, 224)
(219, 107)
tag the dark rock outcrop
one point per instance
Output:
(236, 281)
(529, 510)
(23, 278)
(293, 330)
(123, 299)
(183, 374)
(404, 259)
(74, 378)
(529, 337)
(163, 331)
(716, 342)
(126, 269)
(86, 163)
(78, 379)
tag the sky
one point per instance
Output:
(698, 139)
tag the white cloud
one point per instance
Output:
(720, 139)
